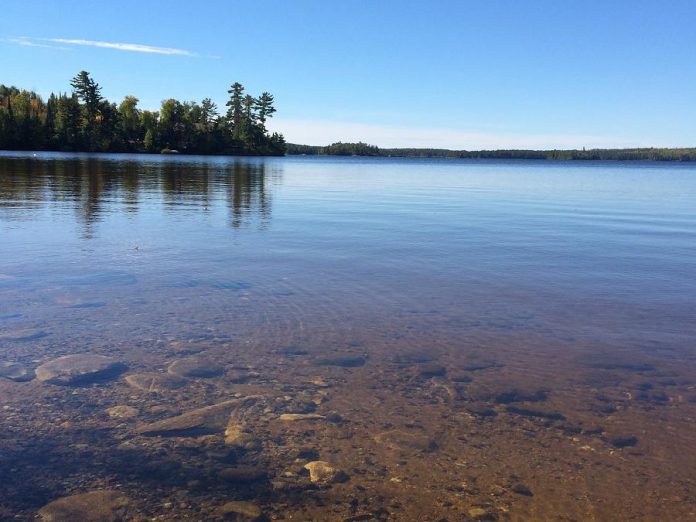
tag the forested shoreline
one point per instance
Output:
(363, 149)
(84, 121)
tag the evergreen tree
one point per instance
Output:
(89, 92)
(235, 111)
(209, 114)
(264, 106)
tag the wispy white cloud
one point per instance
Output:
(320, 132)
(118, 46)
(28, 42)
(131, 47)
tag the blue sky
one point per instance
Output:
(457, 74)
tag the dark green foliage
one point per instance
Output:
(264, 106)
(336, 149)
(85, 121)
(361, 149)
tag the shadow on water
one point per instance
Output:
(95, 187)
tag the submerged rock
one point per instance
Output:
(482, 411)
(15, 372)
(344, 362)
(194, 423)
(195, 367)
(292, 351)
(461, 378)
(478, 513)
(236, 436)
(301, 417)
(523, 490)
(541, 414)
(321, 472)
(242, 474)
(72, 370)
(428, 371)
(319, 382)
(624, 442)
(300, 406)
(475, 365)
(241, 511)
(155, 382)
(95, 506)
(22, 334)
(521, 395)
(122, 412)
(398, 439)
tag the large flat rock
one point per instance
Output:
(95, 506)
(77, 369)
(194, 423)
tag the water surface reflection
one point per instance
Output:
(115, 184)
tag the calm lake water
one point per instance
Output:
(466, 340)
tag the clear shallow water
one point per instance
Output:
(576, 279)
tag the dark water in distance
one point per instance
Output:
(577, 280)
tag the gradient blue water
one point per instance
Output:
(613, 242)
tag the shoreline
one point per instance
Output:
(678, 154)
(613, 155)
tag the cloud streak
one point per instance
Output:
(27, 42)
(117, 46)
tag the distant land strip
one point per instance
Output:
(363, 149)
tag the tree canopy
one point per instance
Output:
(83, 120)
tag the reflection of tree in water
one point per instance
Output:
(98, 186)
(247, 194)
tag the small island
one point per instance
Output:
(84, 121)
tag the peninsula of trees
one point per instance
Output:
(83, 120)
(363, 149)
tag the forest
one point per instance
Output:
(362, 149)
(82, 120)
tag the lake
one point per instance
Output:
(317, 338)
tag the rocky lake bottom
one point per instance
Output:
(208, 427)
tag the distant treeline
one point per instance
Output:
(363, 149)
(83, 120)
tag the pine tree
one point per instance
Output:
(264, 106)
(235, 111)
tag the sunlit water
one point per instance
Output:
(572, 286)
